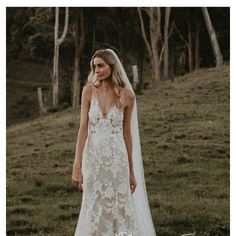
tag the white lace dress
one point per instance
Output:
(107, 206)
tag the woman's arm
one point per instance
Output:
(129, 101)
(82, 135)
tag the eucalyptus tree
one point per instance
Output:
(57, 42)
(213, 37)
(78, 33)
(154, 43)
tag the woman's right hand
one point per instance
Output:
(77, 179)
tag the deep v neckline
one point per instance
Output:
(104, 115)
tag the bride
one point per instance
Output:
(108, 164)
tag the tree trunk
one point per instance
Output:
(213, 38)
(154, 14)
(79, 45)
(172, 60)
(94, 41)
(55, 61)
(76, 82)
(140, 65)
(57, 43)
(155, 32)
(190, 57)
(197, 49)
(166, 46)
(40, 99)
(156, 66)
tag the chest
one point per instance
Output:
(113, 116)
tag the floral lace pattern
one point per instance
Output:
(107, 206)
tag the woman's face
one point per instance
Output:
(101, 68)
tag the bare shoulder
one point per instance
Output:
(87, 91)
(87, 88)
(127, 97)
(128, 94)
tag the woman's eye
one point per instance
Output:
(99, 66)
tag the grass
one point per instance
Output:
(184, 131)
(23, 79)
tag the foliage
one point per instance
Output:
(41, 46)
(30, 31)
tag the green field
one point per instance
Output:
(184, 131)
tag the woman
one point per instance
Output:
(108, 140)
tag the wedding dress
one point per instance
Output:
(107, 207)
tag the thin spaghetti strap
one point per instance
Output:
(92, 89)
(95, 91)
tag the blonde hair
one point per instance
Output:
(109, 59)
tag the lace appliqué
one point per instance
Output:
(107, 206)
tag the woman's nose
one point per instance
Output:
(97, 70)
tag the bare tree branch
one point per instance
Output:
(60, 40)
(143, 31)
(180, 35)
(146, 10)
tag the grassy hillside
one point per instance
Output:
(184, 130)
(23, 79)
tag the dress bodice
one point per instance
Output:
(111, 123)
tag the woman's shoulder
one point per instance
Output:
(127, 93)
(87, 90)
(127, 97)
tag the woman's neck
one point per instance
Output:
(106, 85)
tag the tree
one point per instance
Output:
(78, 33)
(57, 42)
(18, 30)
(197, 47)
(154, 14)
(166, 46)
(213, 38)
(190, 48)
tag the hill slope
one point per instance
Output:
(23, 79)
(184, 131)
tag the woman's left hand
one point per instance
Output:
(133, 182)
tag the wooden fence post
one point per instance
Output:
(42, 109)
(135, 76)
